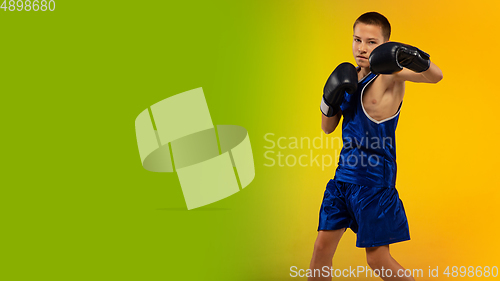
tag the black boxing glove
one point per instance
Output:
(343, 79)
(391, 57)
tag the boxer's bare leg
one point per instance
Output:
(324, 249)
(380, 257)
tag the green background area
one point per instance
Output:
(76, 203)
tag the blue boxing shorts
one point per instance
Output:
(375, 214)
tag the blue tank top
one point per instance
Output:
(368, 155)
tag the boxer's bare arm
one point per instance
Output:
(431, 75)
(328, 124)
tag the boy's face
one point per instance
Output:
(366, 38)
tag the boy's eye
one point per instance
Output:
(357, 40)
(373, 42)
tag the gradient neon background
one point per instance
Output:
(77, 205)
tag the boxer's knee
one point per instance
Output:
(376, 257)
(327, 241)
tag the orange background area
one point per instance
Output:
(447, 135)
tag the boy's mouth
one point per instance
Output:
(361, 57)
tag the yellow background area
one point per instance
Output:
(447, 138)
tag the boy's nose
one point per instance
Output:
(362, 48)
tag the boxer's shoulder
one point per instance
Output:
(381, 99)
